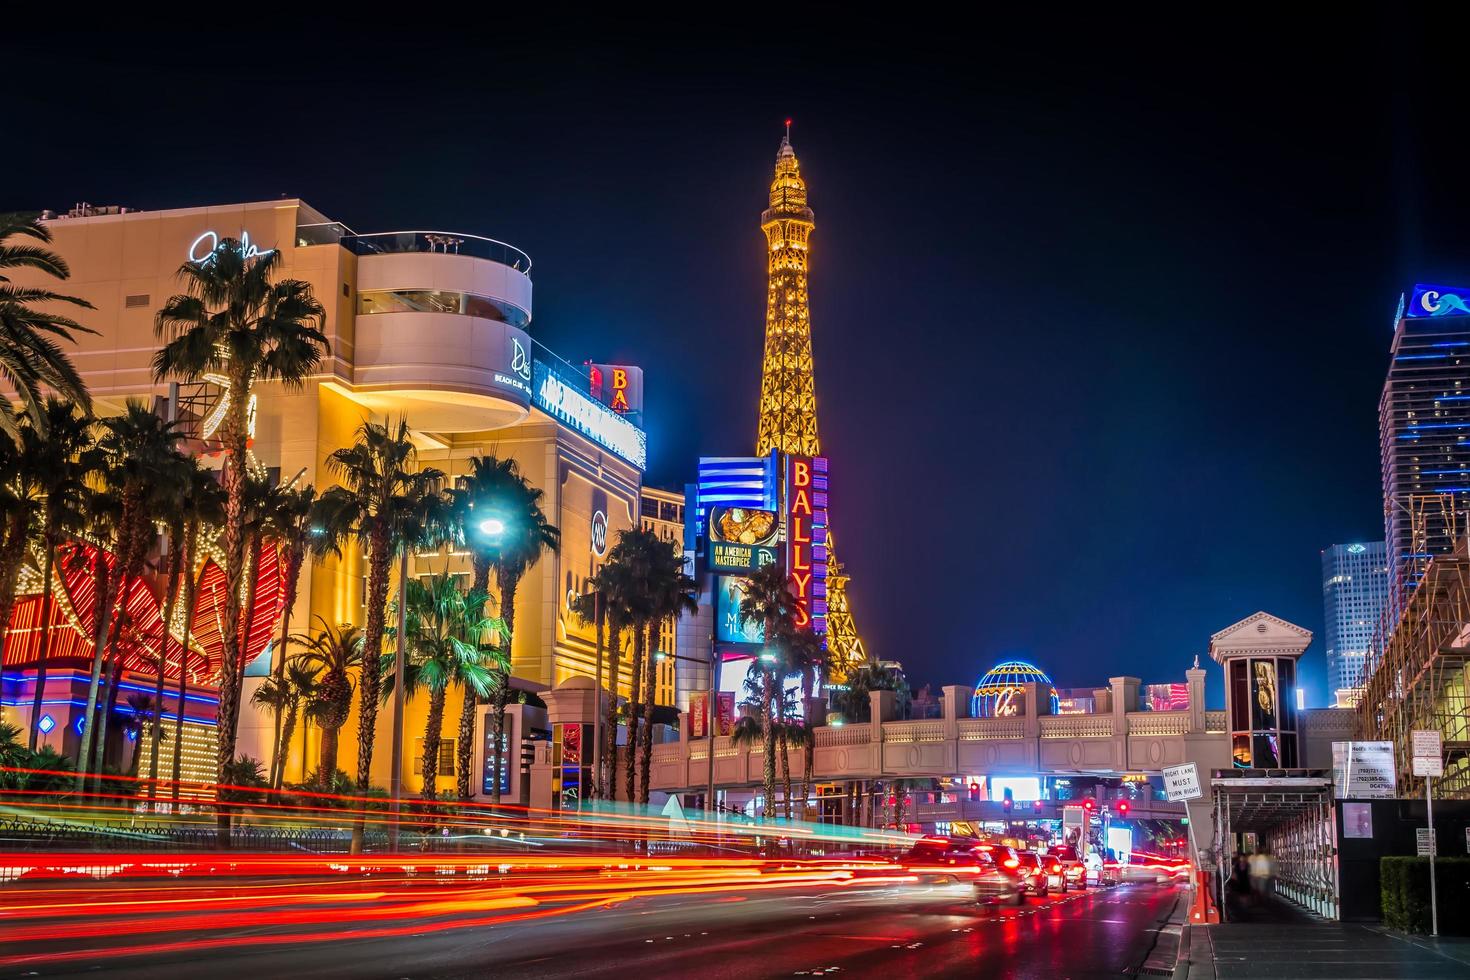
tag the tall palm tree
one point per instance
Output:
(29, 358)
(294, 525)
(298, 683)
(526, 536)
(631, 608)
(805, 657)
(235, 321)
(203, 504)
(174, 483)
(671, 595)
(102, 512)
(444, 628)
(60, 461)
(137, 447)
(134, 722)
(769, 601)
(385, 503)
(613, 584)
(335, 651)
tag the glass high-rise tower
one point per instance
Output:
(1354, 592)
(1424, 432)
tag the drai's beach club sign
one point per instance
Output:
(556, 396)
(203, 246)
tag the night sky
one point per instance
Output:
(1101, 313)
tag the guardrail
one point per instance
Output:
(445, 242)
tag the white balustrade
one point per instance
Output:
(1076, 726)
(1158, 723)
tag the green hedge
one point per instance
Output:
(1405, 892)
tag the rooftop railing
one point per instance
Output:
(400, 242)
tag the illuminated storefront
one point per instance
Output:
(430, 326)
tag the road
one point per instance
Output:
(887, 930)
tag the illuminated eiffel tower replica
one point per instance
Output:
(788, 404)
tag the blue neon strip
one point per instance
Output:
(1421, 357)
(78, 675)
(125, 709)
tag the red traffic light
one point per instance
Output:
(1036, 805)
(1089, 804)
(1006, 804)
(1122, 808)
(974, 791)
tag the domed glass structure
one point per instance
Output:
(999, 694)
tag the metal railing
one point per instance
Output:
(445, 242)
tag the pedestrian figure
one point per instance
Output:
(1261, 869)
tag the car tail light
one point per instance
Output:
(1012, 862)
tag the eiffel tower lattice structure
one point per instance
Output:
(788, 402)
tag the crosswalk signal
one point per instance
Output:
(974, 791)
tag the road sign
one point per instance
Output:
(678, 823)
(1427, 743)
(1428, 765)
(1424, 842)
(1182, 782)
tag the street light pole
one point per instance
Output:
(709, 792)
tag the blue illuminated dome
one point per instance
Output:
(999, 694)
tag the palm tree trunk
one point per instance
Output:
(101, 580)
(288, 729)
(433, 724)
(246, 628)
(810, 749)
(175, 567)
(609, 775)
(368, 686)
(508, 585)
(191, 588)
(232, 436)
(645, 737)
(464, 748)
(599, 616)
(47, 565)
(326, 767)
(785, 770)
(114, 678)
(295, 555)
(768, 744)
(635, 708)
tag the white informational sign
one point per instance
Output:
(678, 823)
(1357, 820)
(1426, 743)
(1428, 765)
(1182, 782)
(1424, 842)
(1363, 770)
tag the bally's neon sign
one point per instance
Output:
(202, 248)
(806, 531)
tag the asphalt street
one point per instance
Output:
(892, 931)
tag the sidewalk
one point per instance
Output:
(1287, 943)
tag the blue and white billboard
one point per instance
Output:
(565, 401)
(1430, 301)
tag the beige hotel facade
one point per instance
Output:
(431, 326)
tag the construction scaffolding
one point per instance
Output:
(1290, 812)
(1420, 664)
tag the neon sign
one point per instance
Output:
(1438, 301)
(592, 418)
(210, 241)
(806, 538)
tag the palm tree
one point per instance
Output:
(138, 449)
(29, 357)
(294, 525)
(526, 536)
(805, 657)
(631, 608)
(174, 484)
(672, 595)
(298, 683)
(747, 733)
(767, 600)
(335, 651)
(385, 504)
(60, 462)
(590, 607)
(613, 584)
(233, 321)
(101, 513)
(203, 504)
(444, 627)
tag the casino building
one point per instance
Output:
(435, 327)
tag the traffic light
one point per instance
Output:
(1035, 806)
(1122, 808)
(1009, 802)
(1089, 804)
(974, 791)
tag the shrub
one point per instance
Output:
(1405, 894)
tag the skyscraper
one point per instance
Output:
(1354, 592)
(788, 402)
(1423, 428)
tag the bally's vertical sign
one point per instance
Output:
(806, 538)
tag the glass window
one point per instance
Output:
(1240, 719)
(1241, 752)
(1266, 753)
(1286, 672)
(1263, 695)
(431, 301)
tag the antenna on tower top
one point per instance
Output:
(788, 130)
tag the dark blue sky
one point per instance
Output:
(1101, 311)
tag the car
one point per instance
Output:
(995, 886)
(1073, 870)
(1034, 873)
(1056, 877)
(936, 858)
